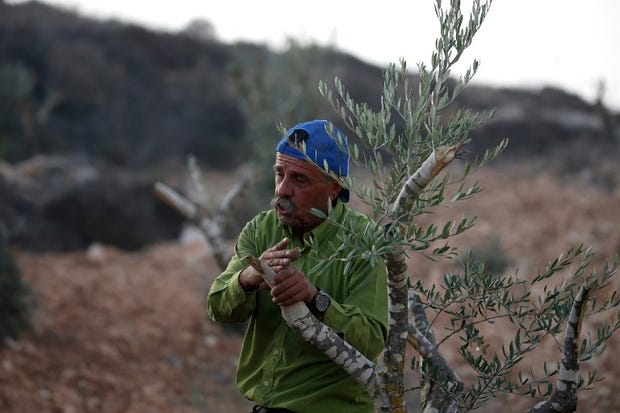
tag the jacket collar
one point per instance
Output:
(326, 230)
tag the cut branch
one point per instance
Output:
(439, 389)
(564, 398)
(232, 196)
(442, 380)
(396, 345)
(299, 318)
(436, 161)
(211, 226)
(186, 207)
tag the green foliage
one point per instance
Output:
(466, 306)
(476, 302)
(14, 296)
(430, 119)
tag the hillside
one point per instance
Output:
(93, 112)
(127, 332)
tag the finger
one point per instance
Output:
(278, 254)
(286, 276)
(289, 285)
(287, 296)
(280, 259)
(282, 244)
(293, 254)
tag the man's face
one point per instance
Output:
(299, 187)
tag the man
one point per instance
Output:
(277, 369)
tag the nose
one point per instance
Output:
(283, 187)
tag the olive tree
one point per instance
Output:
(410, 178)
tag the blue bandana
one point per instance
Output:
(328, 151)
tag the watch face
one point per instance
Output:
(322, 302)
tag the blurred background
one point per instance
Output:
(100, 100)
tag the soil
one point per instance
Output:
(115, 331)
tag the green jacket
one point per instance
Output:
(277, 368)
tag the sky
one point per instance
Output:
(569, 44)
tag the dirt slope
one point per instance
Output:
(127, 332)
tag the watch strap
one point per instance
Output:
(319, 304)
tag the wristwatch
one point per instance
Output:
(319, 304)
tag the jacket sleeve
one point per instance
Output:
(227, 302)
(362, 317)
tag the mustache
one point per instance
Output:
(285, 203)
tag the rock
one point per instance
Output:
(66, 203)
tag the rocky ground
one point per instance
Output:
(127, 332)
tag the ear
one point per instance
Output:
(335, 189)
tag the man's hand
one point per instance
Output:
(277, 257)
(290, 286)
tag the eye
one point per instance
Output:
(300, 179)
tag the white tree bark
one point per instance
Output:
(395, 352)
(437, 160)
(564, 398)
